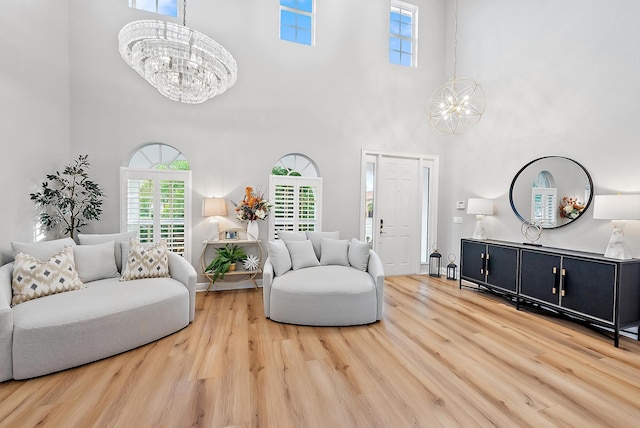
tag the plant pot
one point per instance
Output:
(232, 267)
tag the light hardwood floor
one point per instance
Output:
(441, 357)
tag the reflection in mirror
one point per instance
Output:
(544, 199)
(551, 191)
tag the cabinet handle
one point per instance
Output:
(564, 284)
(563, 293)
(486, 265)
(482, 255)
(555, 271)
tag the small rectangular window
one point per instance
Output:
(297, 21)
(403, 34)
(162, 7)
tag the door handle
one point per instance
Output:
(381, 226)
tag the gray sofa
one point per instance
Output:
(329, 291)
(109, 316)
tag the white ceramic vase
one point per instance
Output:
(253, 231)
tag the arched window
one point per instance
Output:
(295, 191)
(297, 165)
(155, 193)
(158, 156)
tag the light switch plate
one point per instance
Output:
(457, 220)
(460, 205)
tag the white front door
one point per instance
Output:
(399, 208)
(398, 214)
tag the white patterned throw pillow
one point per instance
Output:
(146, 262)
(33, 278)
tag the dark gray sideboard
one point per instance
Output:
(585, 286)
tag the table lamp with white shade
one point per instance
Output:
(212, 207)
(480, 207)
(618, 209)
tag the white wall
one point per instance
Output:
(328, 102)
(34, 108)
(561, 78)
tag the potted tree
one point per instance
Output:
(225, 260)
(69, 199)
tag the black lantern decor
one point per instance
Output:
(452, 268)
(434, 262)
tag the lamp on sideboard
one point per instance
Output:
(480, 207)
(618, 209)
(213, 207)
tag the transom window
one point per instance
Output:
(296, 165)
(403, 34)
(163, 7)
(296, 21)
(158, 156)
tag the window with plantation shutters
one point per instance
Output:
(156, 205)
(297, 203)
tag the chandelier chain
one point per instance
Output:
(455, 42)
(184, 13)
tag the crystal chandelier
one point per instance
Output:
(458, 104)
(182, 64)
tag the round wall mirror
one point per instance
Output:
(552, 191)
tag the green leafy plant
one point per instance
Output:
(227, 255)
(69, 199)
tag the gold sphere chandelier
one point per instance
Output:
(182, 64)
(458, 104)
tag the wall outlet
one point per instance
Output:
(457, 220)
(460, 206)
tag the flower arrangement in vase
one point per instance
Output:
(571, 208)
(252, 207)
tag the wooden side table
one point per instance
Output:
(240, 274)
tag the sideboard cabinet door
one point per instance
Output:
(502, 267)
(588, 287)
(473, 260)
(540, 276)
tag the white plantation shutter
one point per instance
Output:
(544, 203)
(297, 204)
(139, 207)
(156, 204)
